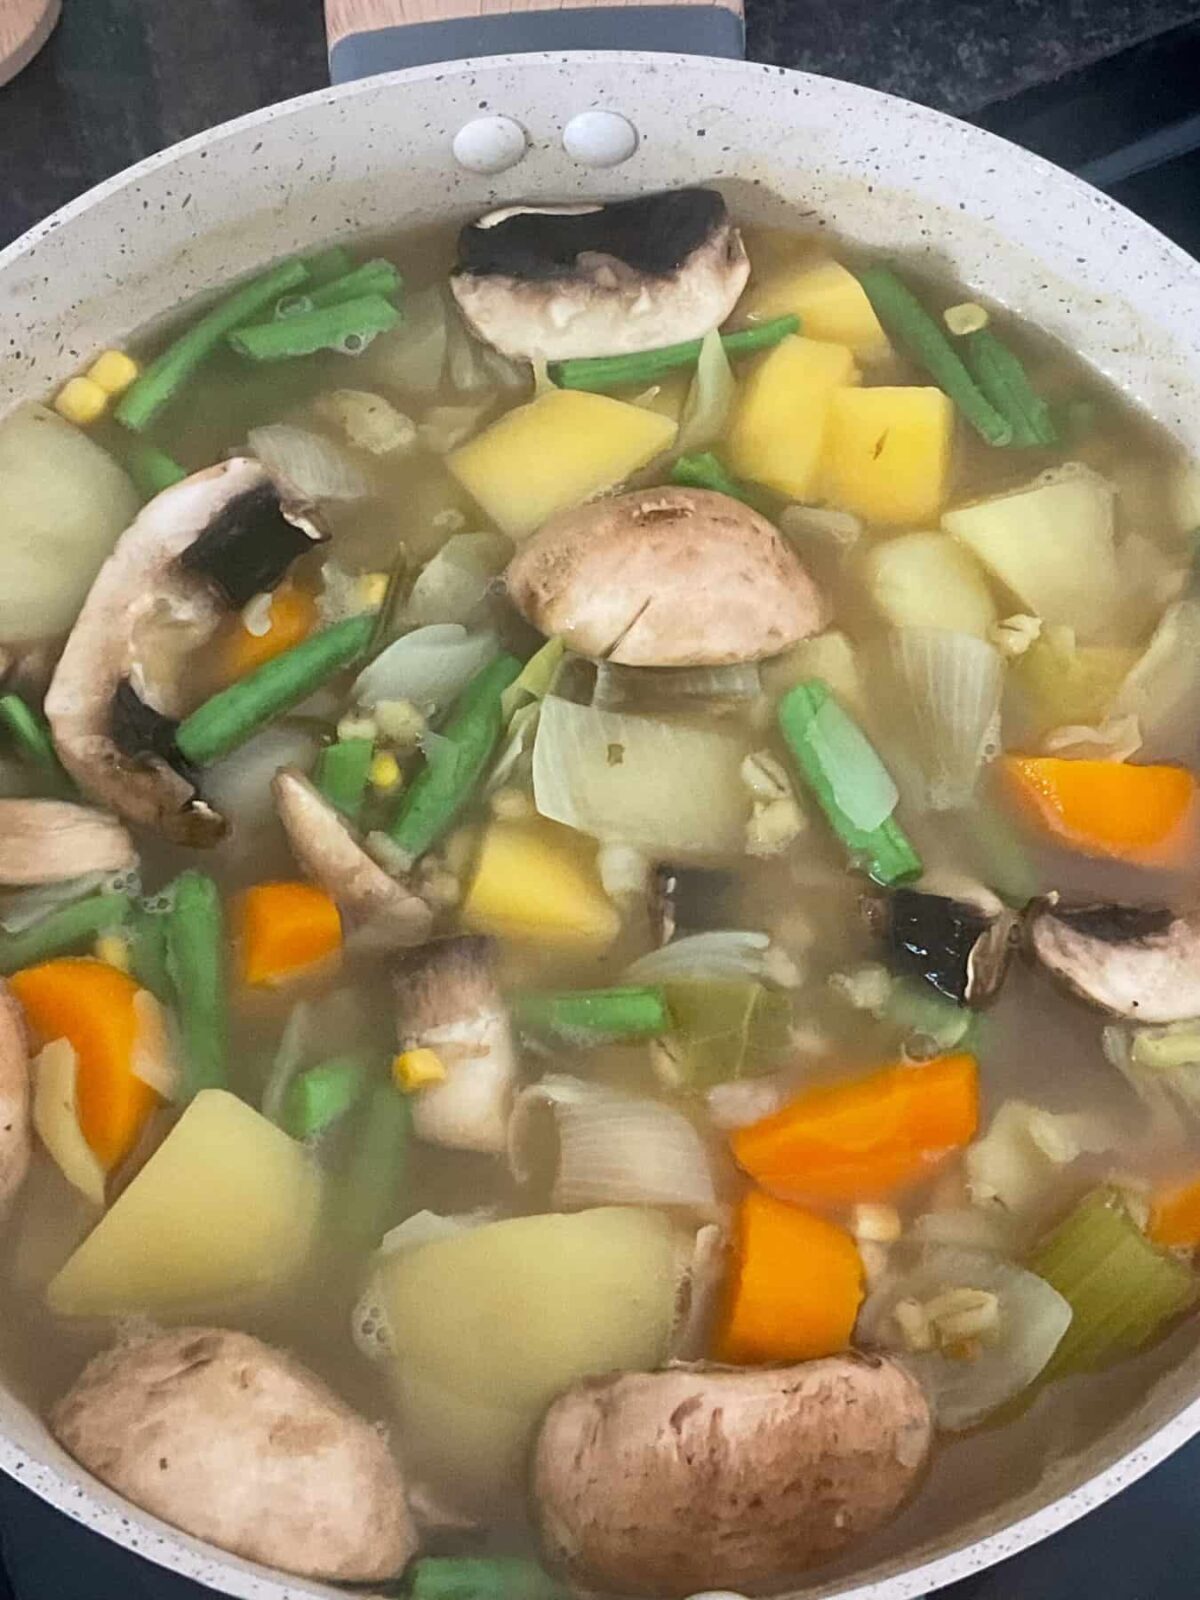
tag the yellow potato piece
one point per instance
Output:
(778, 425)
(536, 883)
(226, 1207)
(554, 453)
(887, 453)
(828, 299)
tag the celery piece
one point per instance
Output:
(314, 1100)
(480, 1578)
(1121, 1288)
(723, 1029)
(593, 1016)
(341, 774)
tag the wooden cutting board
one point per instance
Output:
(25, 25)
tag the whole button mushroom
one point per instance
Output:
(666, 577)
(665, 1483)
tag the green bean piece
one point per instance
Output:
(326, 265)
(235, 714)
(152, 470)
(905, 319)
(704, 471)
(601, 373)
(1002, 377)
(319, 1097)
(196, 964)
(341, 774)
(884, 851)
(594, 1016)
(148, 951)
(63, 931)
(166, 374)
(373, 277)
(349, 326)
(31, 735)
(444, 784)
(372, 1195)
(481, 1578)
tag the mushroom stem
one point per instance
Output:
(49, 841)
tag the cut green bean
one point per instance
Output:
(326, 265)
(341, 774)
(152, 470)
(705, 471)
(601, 373)
(31, 735)
(594, 1016)
(234, 715)
(1002, 377)
(373, 277)
(349, 326)
(316, 1099)
(883, 851)
(165, 375)
(148, 951)
(905, 319)
(444, 784)
(63, 931)
(481, 1578)
(196, 964)
(372, 1196)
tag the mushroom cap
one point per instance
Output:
(1131, 961)
(48, 841)
(16, 1140)
(664, 1483)
(553, 282)
(666, 577)
(953, 934)
(239, 1444)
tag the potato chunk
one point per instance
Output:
(826, 296)
(779, 417)
(887, 453)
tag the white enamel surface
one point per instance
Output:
(600, 138)
(489, 144)
(785, 147)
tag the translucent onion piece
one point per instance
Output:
(697, 1292)
(1163, 688)
(517, 748)
(965, 1389)
(443, 428)
(473, 368)
(821, 524)
(454, 582)
(156, 1057)
(950, 686)
(621, 688)
(723, 953)
(709, 398)
(23, 908)
(1115, 739)
(429, 667)
(1019, 1163)
(307, 464)
(609, 1148)
(1162, 1067)
(968, 1228)
(240, 785)
(413, 357)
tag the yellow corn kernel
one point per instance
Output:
(417, 1069)
(112, 949)
(372, 589)
(114, 371)
(965, 318)
(385, 772)
(81, 401)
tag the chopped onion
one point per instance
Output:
(454, 582)
(473, 367)
(697, 1291)
(240, 784)
(429, 666)
(1163, 688)
(709, 398)
(662, 785)
(155, 1058)
(414, 356)
(1018, 1165)
(444, 428)
(620, 688)
(725, 953)
(425, 1226)
(968, 1228)
(1162, 1067)
(823, 524)
(517, 748)
(55, 1115)
(742, 1101)
(965, 1385)
(308, 465)
(23, 908)
(1115, 739)
(949, 706)
(607, 1148)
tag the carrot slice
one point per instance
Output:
(293, 616)
(285, 929)
(795, 1287)
(1105, 808)
(1175, 1213)
(91, 1004)
(865, 1139)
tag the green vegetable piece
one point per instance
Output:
(31, 735)
(601, 373)
(152, 469)
(63, 931)
(885, 851)
(326, 265)
(148, 951)
(316, 1099)
(233, 715)
(722, 1029)
(704, 471)
(196, 965)
(348, 326)
(372, 1195)
(594, 1016)
(443, 786)
(341, 774)
(373, 277)
(1075, 419)
(920, 1011)
(1003, 379)
(481, 1578)
(536, 680)
(908, 323)
(167, 373)
(1121, 1288)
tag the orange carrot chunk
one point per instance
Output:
(90, 1004)
(285, 929)
(866, 1139)
(1105, 808)
(293, 615)
(794, 1289)
(1175, 1213)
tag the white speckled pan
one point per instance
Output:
(783, 145)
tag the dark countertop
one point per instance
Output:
(122, 78)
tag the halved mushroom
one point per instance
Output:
(199, 549)
(682, 900)
(551, 282)
(239, 1444)
(447, 1001)
(666, 577)
(951, 932)
(378, 908)
(1131, 961)
(15, 1138)
(48, 841)
(663, 1483)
